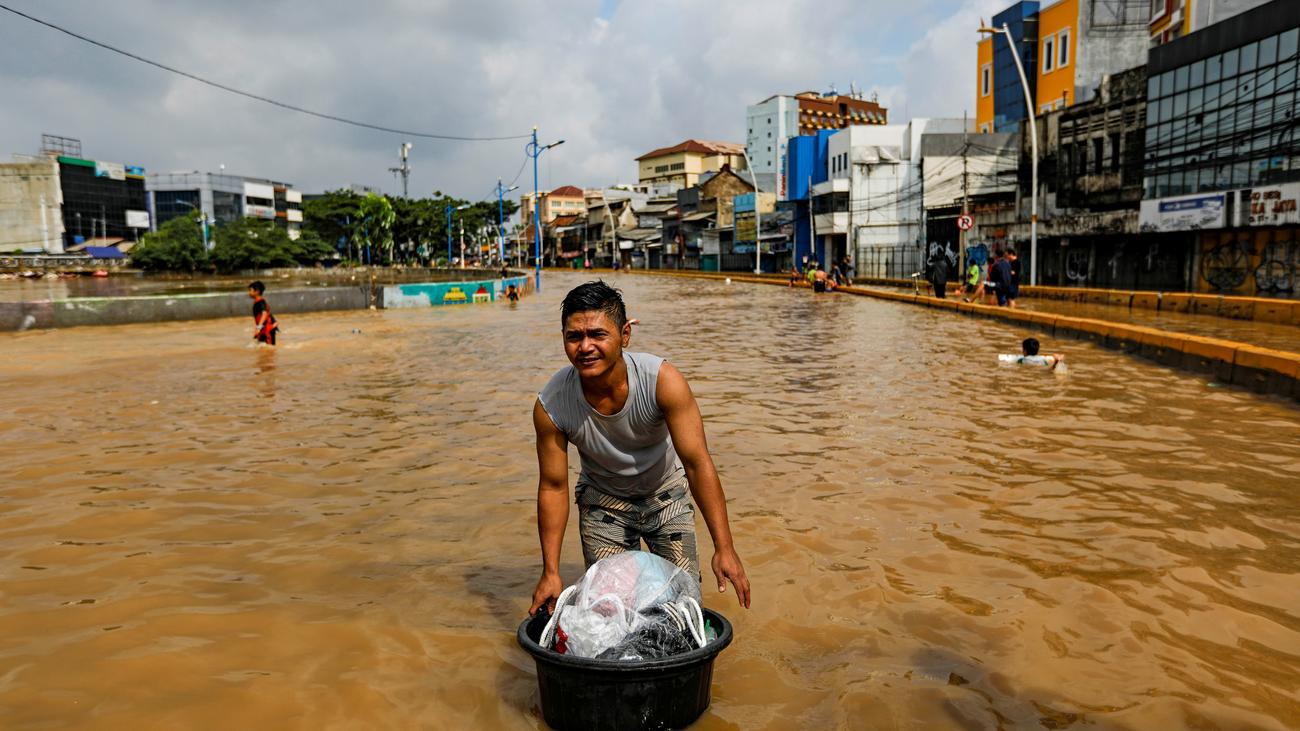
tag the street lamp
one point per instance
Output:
(535, 151)
(501, 226)
(451, 208)
(1033, 162)
(758, 227)
(203, 221)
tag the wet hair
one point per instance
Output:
(594, 297)
(1030, 346)
(257, 287)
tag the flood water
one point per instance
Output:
(340, 533)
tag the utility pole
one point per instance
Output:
(965, 203)
(403, 170)
(462, 242)
(45, 228)
(501, 225)
(534, 150)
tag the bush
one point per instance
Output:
(177, 246)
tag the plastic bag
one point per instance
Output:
(627, 600)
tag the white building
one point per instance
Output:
(771, 123)
(875, 188)
(223, 199)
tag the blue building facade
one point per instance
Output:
(1009, 106)
(806, 166)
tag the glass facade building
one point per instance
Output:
(1222, 106)
(1009, 106)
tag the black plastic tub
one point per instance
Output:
(593, 695)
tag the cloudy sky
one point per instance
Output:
(613, 78)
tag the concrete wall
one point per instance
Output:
(162, 308)
(22, 187)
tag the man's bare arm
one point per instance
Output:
(552, 505)
(686, 426)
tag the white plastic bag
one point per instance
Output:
(618, 596)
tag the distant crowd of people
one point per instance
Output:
(840, 275)
(997, 282)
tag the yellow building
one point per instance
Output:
(984, 87)
(566, 200)
(1057, 40)
(669, 169)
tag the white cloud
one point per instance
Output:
(649, 74)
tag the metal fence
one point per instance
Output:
(896, 262)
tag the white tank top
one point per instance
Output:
(627, 455)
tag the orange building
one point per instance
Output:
(984, 87)
(1057, 40)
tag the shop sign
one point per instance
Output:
(1274, 205)
(1183, 213)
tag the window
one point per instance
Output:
(986, 79)
(1049, 53)
(986, 128)
(1063, 43)
(1096, 155)
(1157, 9)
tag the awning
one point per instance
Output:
(570, 254)
(104, 252)
(698, 216)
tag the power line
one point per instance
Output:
(257, 97)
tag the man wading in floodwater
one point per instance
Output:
(639, 433)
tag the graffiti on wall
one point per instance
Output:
(1279, 268)
(1226, 265)
(448, 293)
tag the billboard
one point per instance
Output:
(137, 219)
(1182, 213)
(112, 170)
(1273, 205)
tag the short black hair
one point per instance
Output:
(594, 296)
(1030, 346)
(257, 287)
(1011, 251)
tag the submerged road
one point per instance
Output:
(340, 533)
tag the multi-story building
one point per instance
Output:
(1173, 19)
(1067, 48)
(566, 200)
(224, 198)
(668, 169)
(1222, 157)
(60, 201)
(774, 120)
(878, 170)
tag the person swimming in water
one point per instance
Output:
(1029, 356)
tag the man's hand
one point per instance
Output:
(726, 567)
(549, 588)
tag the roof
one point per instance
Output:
(104, 252)
(658, 207)
(703, 147)
(699, 216)
(563, 221)
(567, 191)
(637, 234)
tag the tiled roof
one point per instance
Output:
(567, 191)
(703, 147)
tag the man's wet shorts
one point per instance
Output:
(664, 520)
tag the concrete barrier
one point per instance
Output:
(1259, 369)
(80, 311)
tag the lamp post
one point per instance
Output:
(501, 225)
(203, 221)
(758, 226)
(535, 151)
(451, 208)
(1033, 162)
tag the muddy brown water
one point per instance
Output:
(340, 533)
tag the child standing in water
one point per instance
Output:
(264, 324)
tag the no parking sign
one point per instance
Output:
(965, 222)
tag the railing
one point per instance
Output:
(889, 262)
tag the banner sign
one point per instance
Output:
(111, 170)
(1184, 213)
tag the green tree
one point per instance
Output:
(252, 243)
(374, 233)
(308, 249)
(332, 217)
(176, 246)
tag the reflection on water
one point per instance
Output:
(339, 533)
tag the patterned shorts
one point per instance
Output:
(665, 521)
